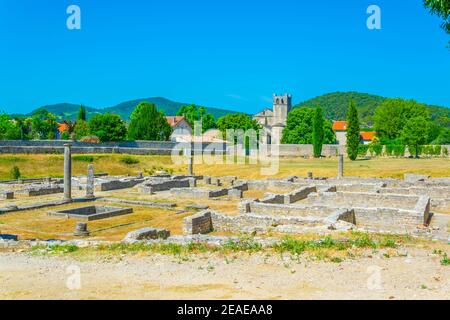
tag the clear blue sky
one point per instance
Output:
(232, 54)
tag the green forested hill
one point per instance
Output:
(69, 111)
(335, 105)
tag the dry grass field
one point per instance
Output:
(52, 165)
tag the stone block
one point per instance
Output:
(235, 193)
(147, 234)
(6, 195)
(199, 223)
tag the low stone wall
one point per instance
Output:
(40, 191)
(125, 147)
(146, 234)
(152, 187)
(199, 223)
(298, 194)
(286, 209)
(363, 199)
(388, 219)
(207, 220)
(159, 148)
(118, 184)
(306, 150)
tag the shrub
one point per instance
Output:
(437, 150)
(399, 150)
(15, 173)
(65, 135)
(376, 149)
(129, 160)
(445, 152)
(362, 150)
(83, 158)
(415, 150)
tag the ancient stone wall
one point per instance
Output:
(198, 223)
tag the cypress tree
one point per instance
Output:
(353, 131)
(82, 113)
(318, 132)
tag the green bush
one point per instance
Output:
(376, 149)
(362, 150)
(437, 150)
(399, 150)
(445, 152)
(15, 173)
(389, 150)
(412, 150)
(129, 160)
(83, 158)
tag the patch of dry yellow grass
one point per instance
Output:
(52, 165)
(37, 224)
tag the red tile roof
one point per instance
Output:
(367, 136)
(62, 127)
(339, 125)
(173, 121)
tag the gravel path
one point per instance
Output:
(417, 275)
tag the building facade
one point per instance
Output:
(273, 121)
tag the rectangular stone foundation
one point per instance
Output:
(91, 213)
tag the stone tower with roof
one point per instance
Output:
(274, 121)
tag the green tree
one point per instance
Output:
(415, 133)
(318, 132)
(236, 121)
(107, 127)
(299, 128)
(8, 128)
(81, 129)
(392, 114)
(193, 113)
(82, 114)
(43, 125)
(443, 138)
(353, 131)
(441, 8)
(147, 123)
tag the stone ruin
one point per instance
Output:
(289, 205)
(323, 205)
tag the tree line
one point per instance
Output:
(146, 123)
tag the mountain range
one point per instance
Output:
(334, 106)
(69, 111)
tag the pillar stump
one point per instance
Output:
(67, 172)
(341, 167)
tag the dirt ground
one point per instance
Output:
(414, 274)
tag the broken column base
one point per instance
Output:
(81, 230)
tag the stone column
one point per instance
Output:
(190, 154)
(90, 182)
(341, 166)
(67, 172)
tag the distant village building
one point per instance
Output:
(61, 128)
(340, 128)
(367, 137)
(273, 121)
(180, 128)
